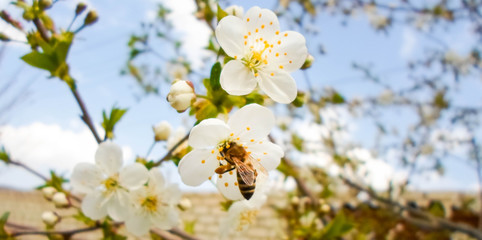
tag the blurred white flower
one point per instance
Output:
(60, 200)
(386, 97)
(262, 55)
(48, 192)
(249, 128)
(177, 70)
(105, 184)
(153, 205)
(50, 218)
(185, 203)
(162, 131)
(177, 136)
(235, 10)
(181, 95)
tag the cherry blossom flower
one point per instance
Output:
(262, 55)
(153, 205)
(181, 95)
(105, 184)
(249, 128)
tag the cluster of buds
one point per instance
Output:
(59, 199)
(181, 95)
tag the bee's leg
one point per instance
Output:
(224, 168)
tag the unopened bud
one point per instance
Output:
(60, 200)
(50, 218)
(162, 131)
(4, 37)
(185, 204)
(80, 8)
(295, 200)
(181, 95)
(308, 62)
(45, 4)
(235, 10)
(49, 192)
(28, 15)
(325, 208)
(7, 18)
(91, 18)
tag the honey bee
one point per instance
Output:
(245, 165)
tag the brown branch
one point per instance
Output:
(182, 234)
(169, 153)
(85, 115)
(65, 233)
(41, 29)
(19, 164)
(431, 221)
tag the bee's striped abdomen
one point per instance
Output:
(246, 190)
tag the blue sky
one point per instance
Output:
(100, 52)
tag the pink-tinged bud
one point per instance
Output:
(50, 218)
(162, 131)
(181, 95)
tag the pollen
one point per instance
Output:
(272, 74)
(277, 32)
(279, 42)
(270, 51)
(280, 66)
(220, 176)
(247, 20)
(270, 23)
(249, 153)
(226, 184)
(245, 37)
(285, 54)
(256, 30)
(259, 159)
(212, 151)
(209, 177)
(237, 139)
(286, 34)
(256, 74)
(260, 142)
(252, 140)
(228, 146)
(277, 54)
(260, 15)
(271, 46)
(291, 61)
(262, 26)
(249, 33)
(203, 161)
(232, 134)
(235, 57)
(220, 149)
(235, 184)
(265, 153)
(261, 39)
(248, 128)
(231, 173)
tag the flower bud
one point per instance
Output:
(235, 10)
(162, 131)
(325, 208)
(60, 200)
(181, 95)
(50, 218)
(185, 203)
(91, 18)
(49, 192)
(4, 38)
(45, 4)
(80, 8)
(308, 62)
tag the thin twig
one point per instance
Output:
(432, 221)
(169, 154)
(478, 160)
(42, 30)
(66, 233)
(19, 164)
(85, 115)
(182, 234)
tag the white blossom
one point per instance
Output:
(177, 70)
(153, 205)
(262, 55)
(162, 131)
(105, 184)
(181, 95)
(249, 128)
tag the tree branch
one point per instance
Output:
(22, 165)
(169, 153)
(41, 29)
(85, 115)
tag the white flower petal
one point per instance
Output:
(133, 176)
(289, 51)
(267, 153)
(92, 205)
(197, 166)
(261, 23)
(237, 79)
(252, 122)
(118, 206)
(86, 177)
(229, 33)
(208, 134)
(227, 184)
(155, 178)
(138, 225)
(280, 87)
(109, 157)
(172, 194)
(166, 218)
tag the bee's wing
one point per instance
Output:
(257, 165)
(245, 171)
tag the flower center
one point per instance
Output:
(247, 218)
(150, 203)
(254, 59)
(111, 183)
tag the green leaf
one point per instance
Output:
(436, 208)
(48, 23)
(204, 109)
(221, 13)
(3, 221)
(337, 227)
(215, 76)
(297, 142)
(336, 98)
(4, 155)
(299, 100)
(109, 122)
(40, 60)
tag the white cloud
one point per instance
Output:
(48, 146)
(409, 42)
